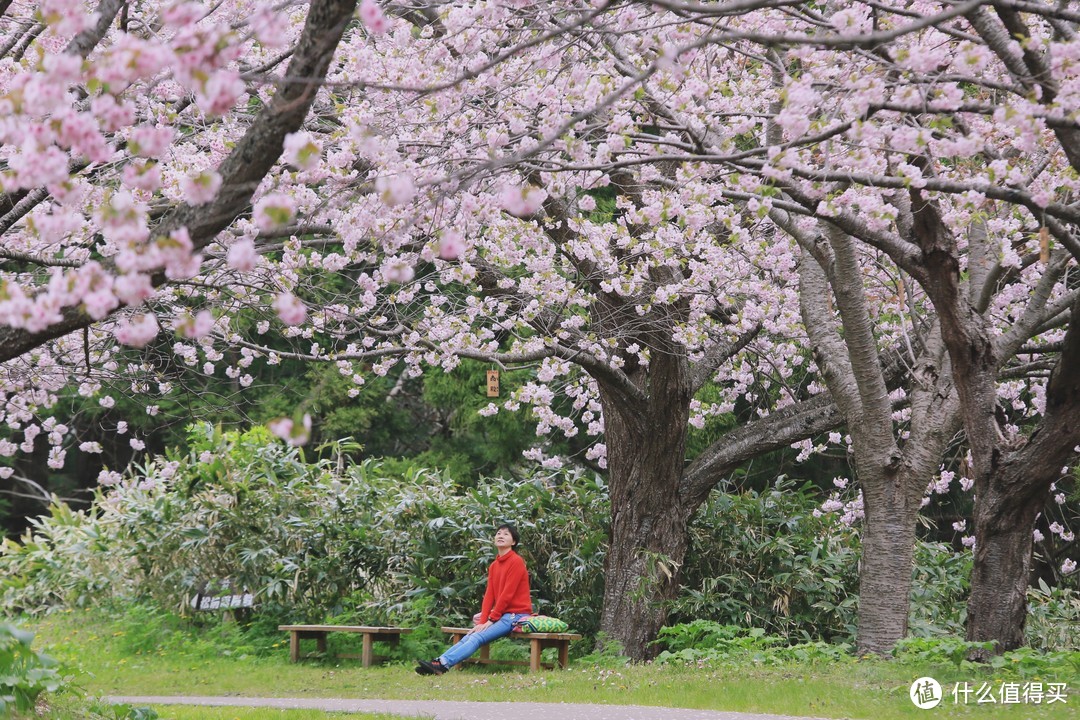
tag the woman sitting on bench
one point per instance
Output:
(505, 602)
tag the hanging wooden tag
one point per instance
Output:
(1044, 245)
(493, 383)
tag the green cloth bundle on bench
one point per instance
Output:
(541, 624)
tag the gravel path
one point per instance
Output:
(451, 710)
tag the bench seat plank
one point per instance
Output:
(537, 641)
(348, 628)
(318, 634)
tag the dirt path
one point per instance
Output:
(452, 710)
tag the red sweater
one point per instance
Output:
(507, 588)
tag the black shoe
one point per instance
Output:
(430, 667)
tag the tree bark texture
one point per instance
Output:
(888, 548)
(646, 454)
(1012, 475)
(997, 607)
(1016, 490)
(893, 478)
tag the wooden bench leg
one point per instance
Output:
(366, 657)
(454, 639)
(534, 656)
(564, 653)
(320, 643)
(294, 646)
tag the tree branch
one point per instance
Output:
(244, 168)
(772, 432)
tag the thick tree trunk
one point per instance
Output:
(642, 570)
(892, 478)
(1015, 490)
(1001, 573)
(888, 547)
(646, 444)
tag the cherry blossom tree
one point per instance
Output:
(612, 194)
(953, 153)
(165, 208)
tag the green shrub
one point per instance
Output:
(309, 540)
(384, 542)
(438, 539)
(766, 560)
(65, 558)
(944, 650)
(24, 673)
(1053, 621)
(1028, 662)
(939, 590)
(703, 641)
(952, 650)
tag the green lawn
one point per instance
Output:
(69, 708)
(95, 652)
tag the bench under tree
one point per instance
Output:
(538, 643)
(318, 633)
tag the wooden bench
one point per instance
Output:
(318, 634)
(538, 641)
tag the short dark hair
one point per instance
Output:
(512, 530)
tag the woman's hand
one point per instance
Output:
(481, 626)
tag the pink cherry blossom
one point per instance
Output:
(182, 14)
(133, 288)
(294, 433)
(202, 188)
(62, 68)
(176, 253)
(195, 327)
(242, 255)
(290, 309)
(851, 21)
(373, 18)
(151, 141)
(145, 175)
(112, 115)
(269, 27)
(66, 18)
(220, 92)
(137, 331)
(395, 189)
(398, 271)
(522, 201)
(301, 150)
(273, 211)
(451, 245)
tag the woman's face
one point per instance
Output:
(503, 539)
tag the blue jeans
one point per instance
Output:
(469, 644)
